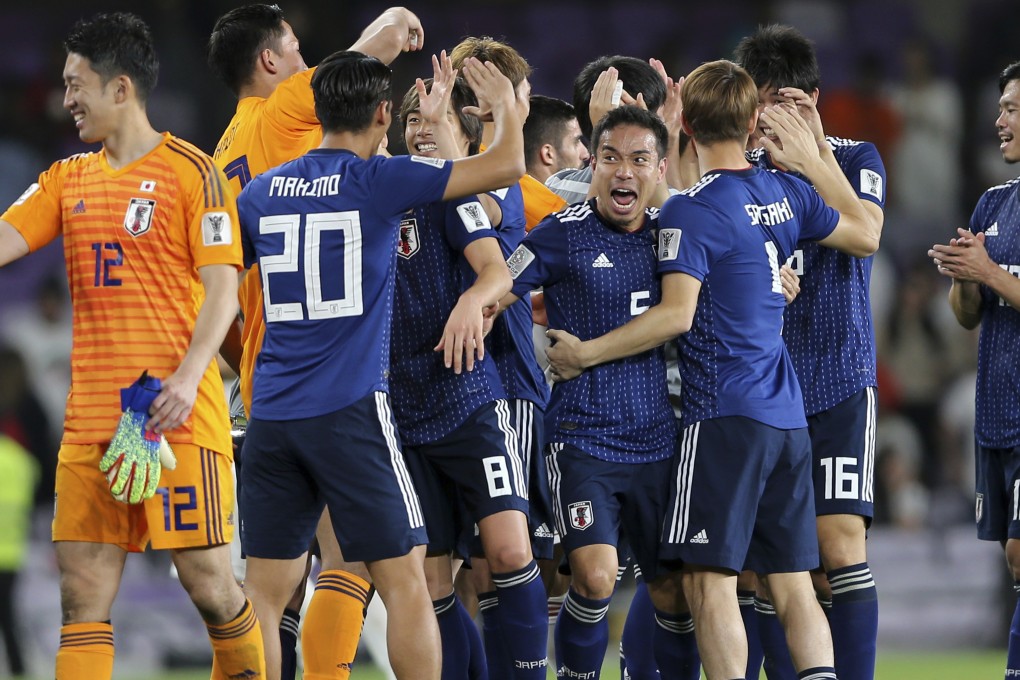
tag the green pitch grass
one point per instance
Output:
(891, 666)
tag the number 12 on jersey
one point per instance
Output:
(307, 259)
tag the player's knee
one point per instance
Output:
(508, 557)
(1013, 557)
(218, 600)
(84, 596)
(594, 583)
(841, 540)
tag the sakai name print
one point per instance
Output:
(473, 216)
(216, 229)
(519, 261)
(407, 241)
(138, 218)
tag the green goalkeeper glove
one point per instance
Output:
(133, 463)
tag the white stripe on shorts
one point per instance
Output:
(677, 529)
(868, 473)
(415, 517)
(552, 466)
(506, 426)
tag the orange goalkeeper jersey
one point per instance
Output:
(264, 133)
(539, 201)
(134, 239)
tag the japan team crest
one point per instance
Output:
(407, 244)
(138, 218)
(581, 516)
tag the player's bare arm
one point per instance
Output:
(219, 309)
(569, 357)
(394, 31)
(12, 244)
(465, 330)
(807, 107)
(502, 163)
(856, 233)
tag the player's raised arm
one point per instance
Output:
(12, 244)
(394, 31)
(502, 163)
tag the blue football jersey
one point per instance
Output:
(597, 278)
(323, 229)
(510, 341)
(997, 423)
(828, 328)
(430, 400)
(732, 231)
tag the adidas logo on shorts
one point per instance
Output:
(700, 537)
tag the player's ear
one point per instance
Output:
(266, 61)
(547, 155)
(753, 124)
(122, 88)
(383, 114)
(814, 96)
(685, 126)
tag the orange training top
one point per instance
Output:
(264, 133)
(134, 239)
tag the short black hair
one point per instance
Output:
(117, 44)
(637, 76)
(237, 39)
(779, 56)
(632, 115)
(348, 86)
(462, 95)
(1011, 72)
(546, 122)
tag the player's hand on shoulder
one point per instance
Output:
(565, 355)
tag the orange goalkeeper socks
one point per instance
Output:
(86, 651)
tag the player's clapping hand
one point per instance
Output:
(493, 89)
(964, 258)
(796, 148)
(175, 401)
(565, 355)
(463, 336)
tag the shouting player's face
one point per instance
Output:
(1008, 122)
(625, 171)
(91, 103)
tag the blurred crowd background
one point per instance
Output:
(916, 77)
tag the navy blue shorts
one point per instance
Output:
(997, 503)
(843, 455)
(471, 473)
(348, 460)
(597, 502)
(741, 498)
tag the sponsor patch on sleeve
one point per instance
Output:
(216, 229)
(871, 183)
(519, 260)
(669, 244)
(473, 216)
(434, 162)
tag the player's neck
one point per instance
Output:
(362, 144)
(728, 155)
(132, 140)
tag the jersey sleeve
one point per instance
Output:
(210, 210)
(865, 170)
(405, 182)
(541, 259)
(247, 221)
(691, 237)
(36, 214)
(466, 221)
(292, 106)
(817, 219)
